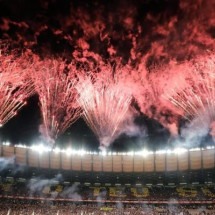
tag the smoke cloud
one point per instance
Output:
(71, 192)
(42, 186)
(6, 162)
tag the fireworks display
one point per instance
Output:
(197, 99)
(165, 44)
(105, 102)
(15, 87)
(57, 95)
(115, 105)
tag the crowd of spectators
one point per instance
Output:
(42, 196)
(48, 189)
(26, 207)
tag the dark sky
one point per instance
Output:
(155, 31)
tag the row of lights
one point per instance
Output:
(42, 148)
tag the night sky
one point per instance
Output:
(151, 31)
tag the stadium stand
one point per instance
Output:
(51, 182)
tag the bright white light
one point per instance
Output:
(145, 152)
(160, 152)
(6, 143)
(40, 148)
(130, 153)
(20, 146)
(104, 153)
(195, 149)
(137, 153)
(180, 150)
(56, 150)
(210, 147)
(68, 151)
(81, 152)
(168, 151)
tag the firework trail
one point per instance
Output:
(15, 86)
(196, 100)
(57, 95)
(105, 101)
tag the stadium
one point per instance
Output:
(62, 181)
(107, 107)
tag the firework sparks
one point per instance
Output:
(15, 86)
(105, 102)
(56, 89)
(197, 99)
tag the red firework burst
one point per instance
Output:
(57, 95)
(15, 86)
(105, 101)
(196, 100)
